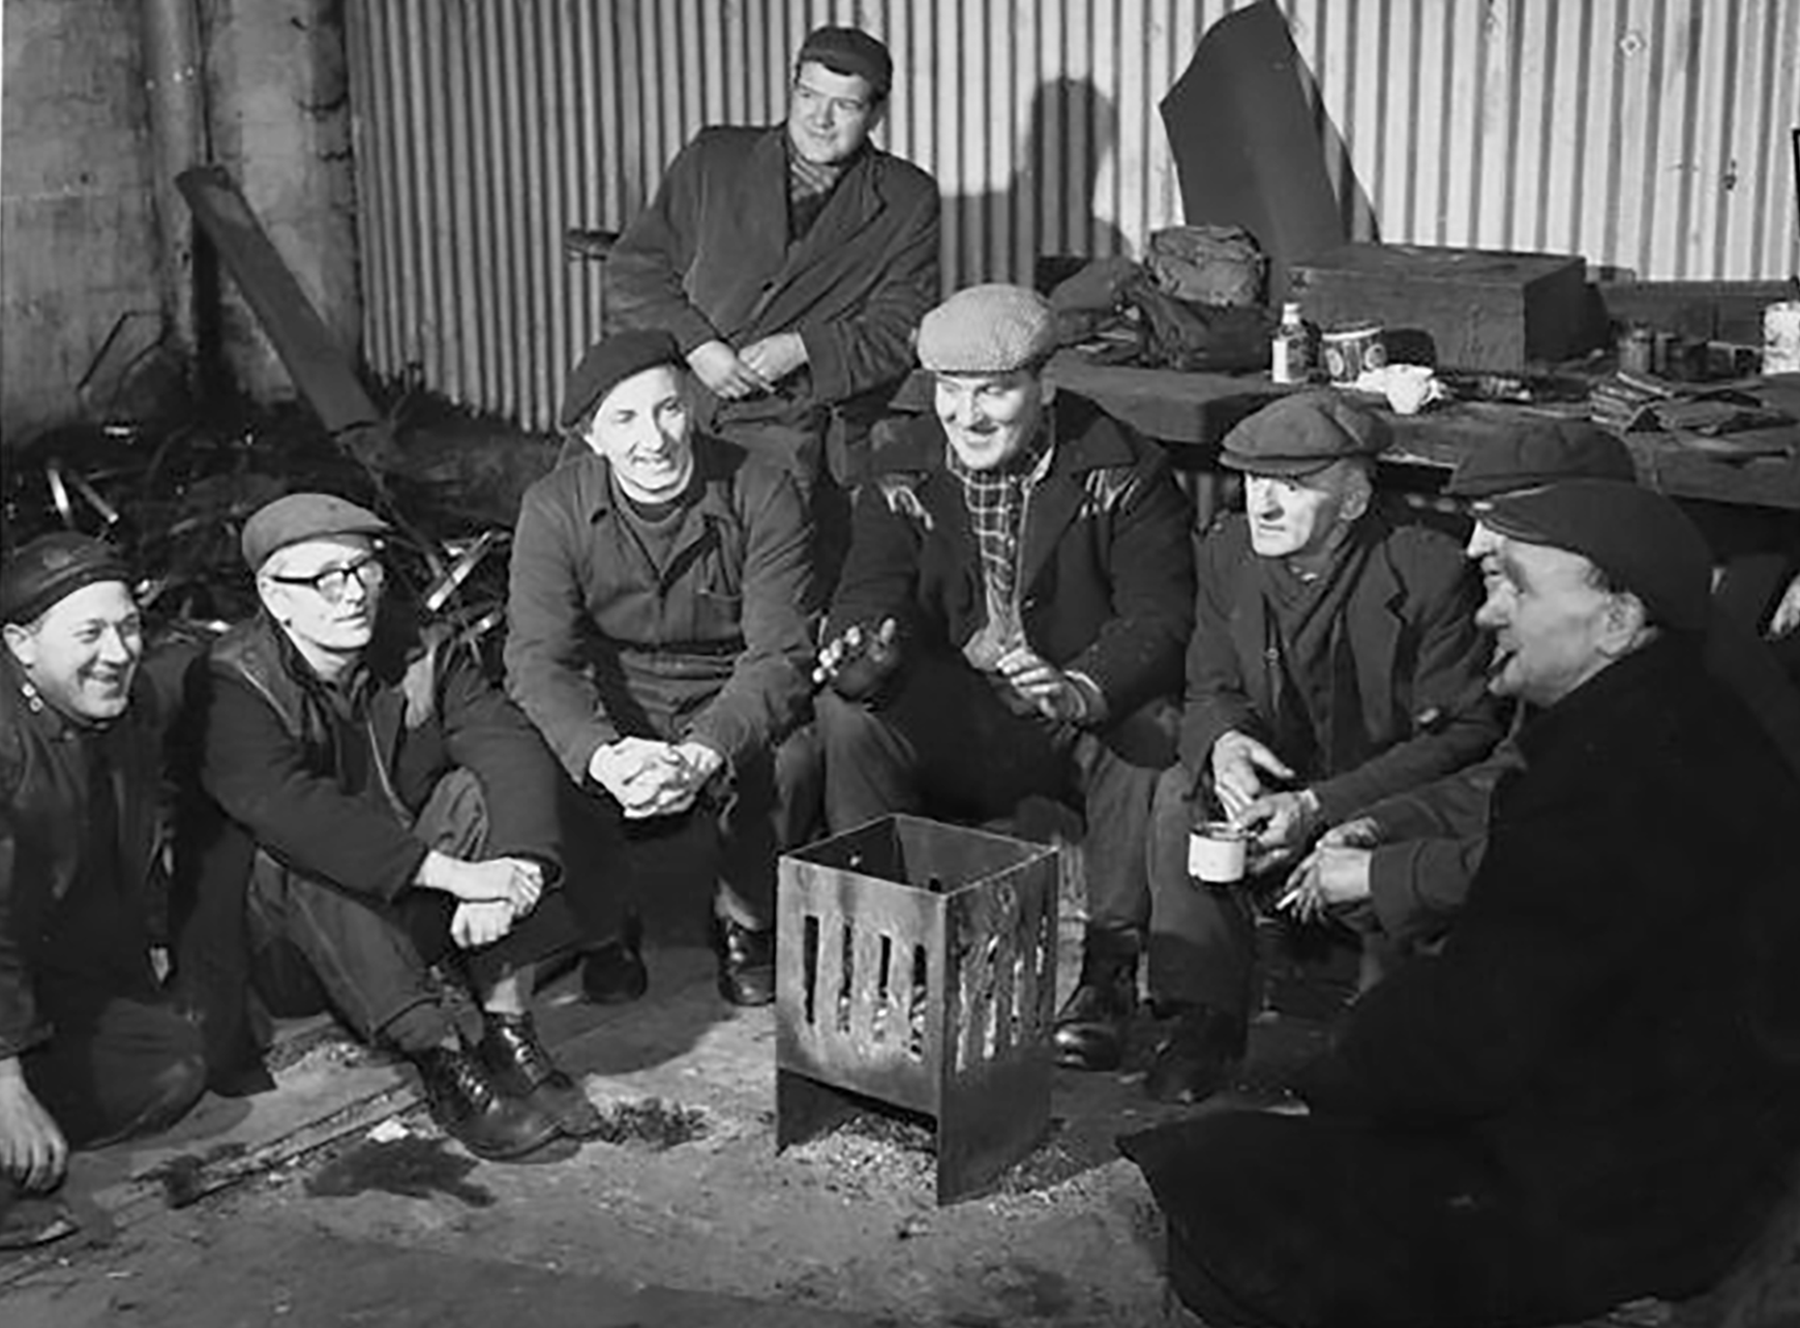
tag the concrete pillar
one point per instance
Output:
(278, 104)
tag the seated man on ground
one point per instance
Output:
(1334, 661)
(1399, 871)
(372, 806)
(1587, 1097)
(658, 639)
(90, 1050)
(1013, 608)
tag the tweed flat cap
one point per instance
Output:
(609, 363)
(849, 51)
(1539, 452)
(1304, 432)
(303, 516)
(1639, 538)
(51, 568)
(987, 330)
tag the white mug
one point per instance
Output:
(1216, 853)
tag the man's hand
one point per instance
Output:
(1787, 612)
(1363, 832)
(479, 923)
(1238, 765)
(856, 662)
(1333, 874)
(513, 881)
(32, 1149)
(724, 371)
(1281, 821)
(652, 778)
(774, 357)
(1056, 695)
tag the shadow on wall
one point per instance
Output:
(1046, 211)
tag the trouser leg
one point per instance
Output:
(1202, 941)
(117, 1067)
(767, 809)
(1117, 796)
(871, 767)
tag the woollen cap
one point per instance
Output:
(303, 516)
(1639, 538)
(850, 51)
(609, 363)
(1539, 452)
(52, 567)
(990, 329)
(1303, 432)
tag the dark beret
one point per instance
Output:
(609, 363)
(52, 567)
(1538, 452)
(850, 51)
(303, 516)
(1303, 432)
(1639, 538)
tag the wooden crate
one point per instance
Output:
(916, 966)
(1481, 308)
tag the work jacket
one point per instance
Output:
(1408, 626)
(1105, 574)
(51, 942)
(713, 647)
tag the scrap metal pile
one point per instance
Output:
(174, 500)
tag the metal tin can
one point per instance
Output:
(1636, 349)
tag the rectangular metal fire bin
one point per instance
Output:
(916, 966)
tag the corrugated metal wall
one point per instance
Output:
(1649, 135)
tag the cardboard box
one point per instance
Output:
(1482, 308)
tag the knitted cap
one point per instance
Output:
(52, 567)
(991, 329)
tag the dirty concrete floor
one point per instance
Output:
(333, 1200)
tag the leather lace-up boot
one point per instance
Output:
(523, 1068)
(1091, 1027)
(470, 1108)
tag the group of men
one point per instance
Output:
(1516, 772)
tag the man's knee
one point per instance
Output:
(848, 730)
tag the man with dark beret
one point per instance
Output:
(1587, 1097)
(1334, 662)
(368, 805)
(90, 1049)
(1012, 613)
(658, 638)
(791, 263)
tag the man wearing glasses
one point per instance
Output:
(372, 806)
(792, 263)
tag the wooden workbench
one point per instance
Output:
(1196, 410)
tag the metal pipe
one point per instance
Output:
(179, 140)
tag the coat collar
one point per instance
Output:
(715, 466)
(1086, 439)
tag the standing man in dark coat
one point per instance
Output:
(790, 263)
(1334, 661)
(658, 639)
(1586, 1098)
(372, 806)
(1014, 606)
(90, 1051)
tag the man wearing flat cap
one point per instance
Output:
(1400, 870)
(371, 806)
(1012, 613)
(1586, 1097)
(791, 263)
(90, 1050)
(1334, 662)
(658, 639)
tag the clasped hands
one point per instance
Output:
(649, 777)
(734, 374)
(490, 895)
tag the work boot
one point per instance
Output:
(615, 973)
(522, 1068)
(470, 1108)
(1091, 1027)
(1198, 1056)
(746, 962)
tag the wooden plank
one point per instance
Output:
(321, 371)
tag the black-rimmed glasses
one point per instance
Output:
(332, 583)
